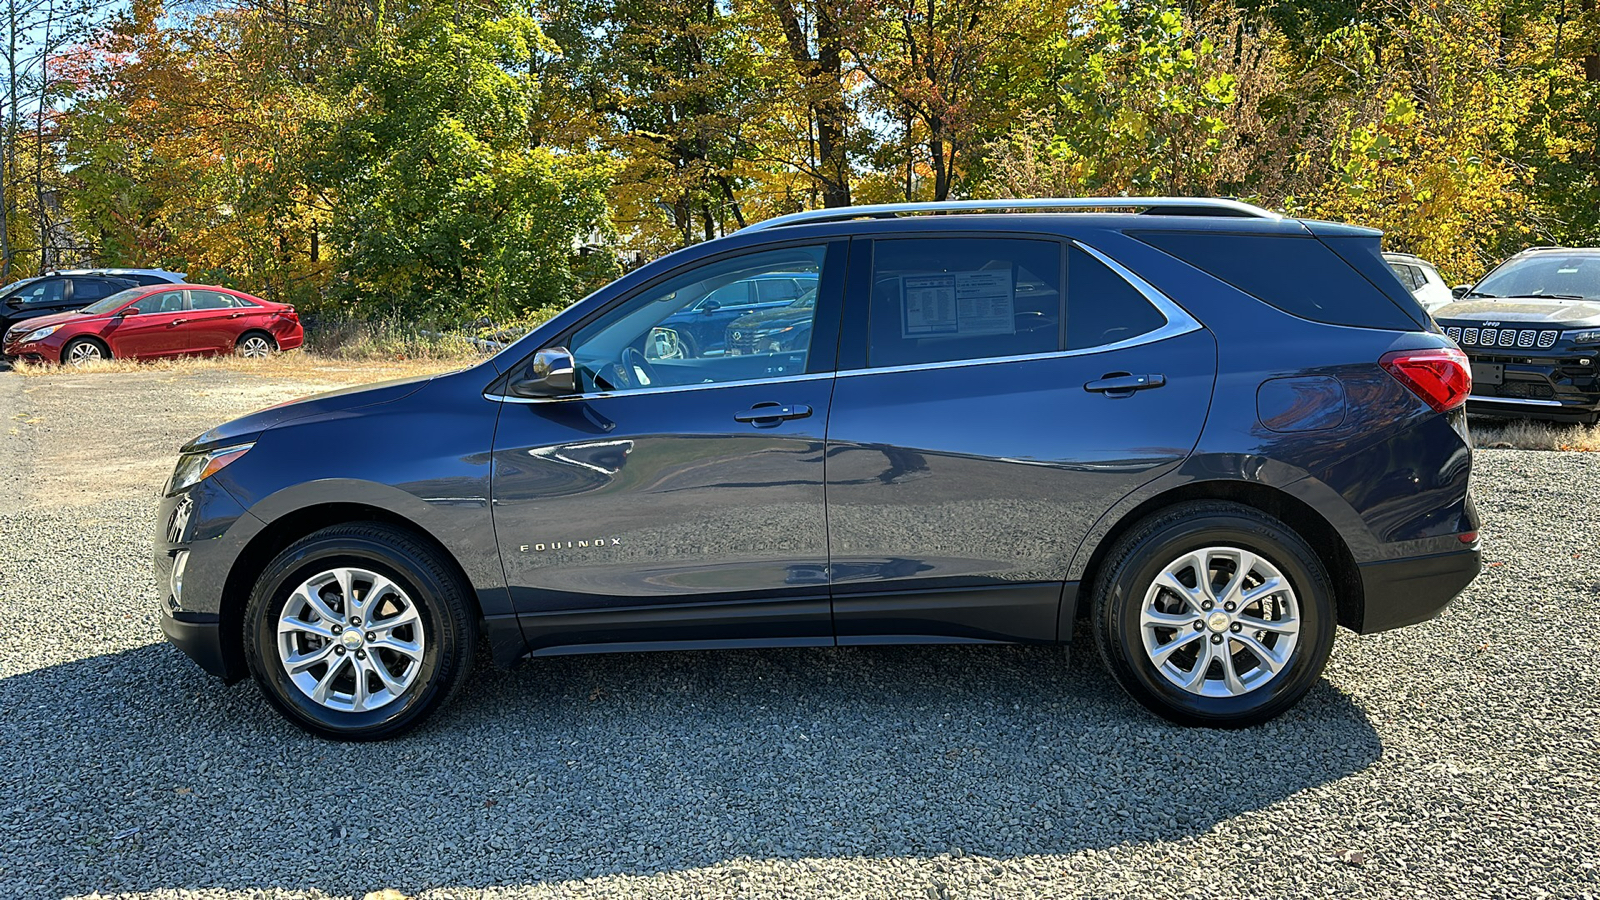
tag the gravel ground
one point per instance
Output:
(1456, 758)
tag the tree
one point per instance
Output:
(447, 204)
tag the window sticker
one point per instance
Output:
(928, 303)
(960, 303)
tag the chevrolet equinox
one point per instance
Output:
(1213, 432)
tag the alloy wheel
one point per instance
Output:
(350, 640)
(84, 352)
(255, 347)
(1220, 622)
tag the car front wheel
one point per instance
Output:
(358, 632)
(1214, 614)
(83, 351)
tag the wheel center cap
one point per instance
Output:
(1218, 621)
(351, 639)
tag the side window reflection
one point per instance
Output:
(738, 319)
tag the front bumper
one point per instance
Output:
(209, 528)
(33, 353)
(1404, 592)
(1560, 383)
(199, 636)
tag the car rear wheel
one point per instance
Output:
(255, 345)
(358, 632)
(84, 350)
(1214, 614)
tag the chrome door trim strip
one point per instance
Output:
(663, 389)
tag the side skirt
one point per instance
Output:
(1035, 613)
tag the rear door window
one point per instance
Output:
(88, 290)
(938, 300)
(203, 300)
(948, 299)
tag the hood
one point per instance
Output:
(342, 400)
(60, 318)
(1531, 310)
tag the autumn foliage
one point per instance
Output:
(459, 160)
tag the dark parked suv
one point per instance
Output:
(1214, 432)
(1531, 329)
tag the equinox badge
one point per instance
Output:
(571, 545)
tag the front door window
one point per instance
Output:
(669, 335)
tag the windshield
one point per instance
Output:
(1544, 276)
(112, 302)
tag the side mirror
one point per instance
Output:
(130, 311)
(552, 374)
(14, 302)
(1460, 291)
(710, 306)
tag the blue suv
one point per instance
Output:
(1213, 432)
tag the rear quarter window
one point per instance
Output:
(1300, 275)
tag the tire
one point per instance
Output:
(1297, 624)
(423, 661)
(83, 350)
(255, 345)
(691, 348)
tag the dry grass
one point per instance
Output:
(1521, 434)
(293, 365)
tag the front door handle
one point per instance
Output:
(1122, 384)
(772, 413)
(177, 322)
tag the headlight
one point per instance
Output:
(194, 468)
(1587, 336)
(39, 334)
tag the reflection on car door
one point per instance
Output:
(977, 446)
(686, 500)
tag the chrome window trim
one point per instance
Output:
(663, 389)
(1179, 322)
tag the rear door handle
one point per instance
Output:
(772, 413)
(1122, 384)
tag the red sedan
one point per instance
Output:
(155, 321)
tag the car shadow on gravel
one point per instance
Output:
(158, 776)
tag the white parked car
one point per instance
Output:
(1422, 278)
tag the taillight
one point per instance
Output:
(1442, 376)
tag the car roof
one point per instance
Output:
(1560, 251)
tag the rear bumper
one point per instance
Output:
(1404, 592)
